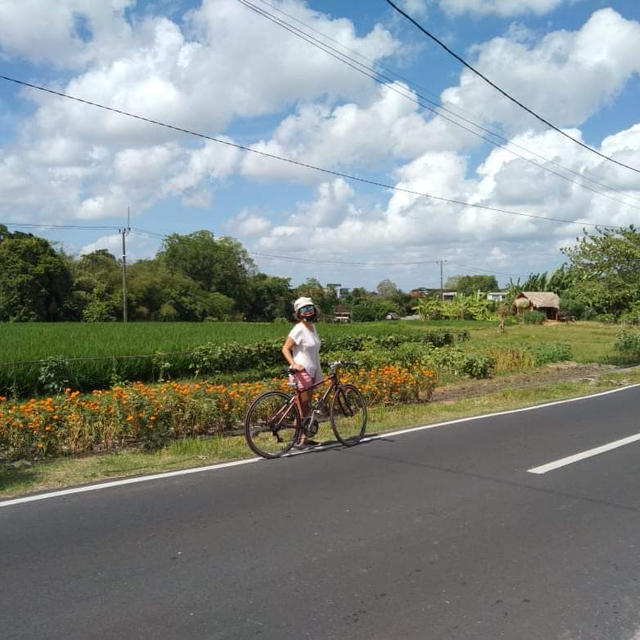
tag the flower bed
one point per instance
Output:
(153, 414)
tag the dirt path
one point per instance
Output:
(549, 374)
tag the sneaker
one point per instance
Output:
(307, 444)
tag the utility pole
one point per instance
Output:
(124, 231)
(441, 263)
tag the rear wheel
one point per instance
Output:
(348, 414)
(272, 424)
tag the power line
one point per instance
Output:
(297, 259)
(305, 165)
(507, 95)
(437, 108)
(342, 262)
(479, 271)
(26, 225)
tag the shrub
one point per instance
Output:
(54, 374)
(628, 342)
(631, 317)
(533, 317)
(605, 318)
(558, 352)
(478, 365)
(458, 362)
(512, 358)
(571, 308)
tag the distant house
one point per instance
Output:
(333, 288)
(341, 314)
(496, 296)
(544, 301)
(449, 295)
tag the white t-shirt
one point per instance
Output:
(306, 350)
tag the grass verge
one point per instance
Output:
(17, 480)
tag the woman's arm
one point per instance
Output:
(287, 352)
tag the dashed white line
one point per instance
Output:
(589, 453)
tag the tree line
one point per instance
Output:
(197, 276)
(193, 277)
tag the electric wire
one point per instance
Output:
(26, 225)
(506, 94)
(438, 108)
(155, 234)
(306, 165)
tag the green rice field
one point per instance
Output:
(35, 341)
(94, 356)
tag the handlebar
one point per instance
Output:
(337, 364)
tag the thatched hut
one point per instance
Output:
(544, 301)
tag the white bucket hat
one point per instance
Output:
(302, 302)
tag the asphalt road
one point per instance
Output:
(440, 533)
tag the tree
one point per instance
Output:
(96, 295)
(470, 285)
(451, 283)
(430, 307)
(156, 293)
(34, 279)
(356, 295)
(387, 289)
(325, 298)
(370, 309)
(221, 265)
(558, 281)
(268, 298)
(604, 269)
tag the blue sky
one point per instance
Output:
(218, 68)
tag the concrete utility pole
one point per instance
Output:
(441, 263)
(124, 231)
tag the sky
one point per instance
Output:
(444, 148)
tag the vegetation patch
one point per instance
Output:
(261, 358)
(151, 415)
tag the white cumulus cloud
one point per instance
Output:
(503, 8)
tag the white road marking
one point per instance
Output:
(118, 483)
(534, 407)
(224, 465)
(563, 462)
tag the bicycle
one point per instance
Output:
(274, 421)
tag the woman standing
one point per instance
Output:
(301, 350)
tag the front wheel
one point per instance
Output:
(272, 424)
(348, 414)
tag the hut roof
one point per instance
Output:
(541, 298)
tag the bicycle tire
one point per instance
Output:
(261, 429)
(348, 414)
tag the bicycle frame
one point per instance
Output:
(332, 378)
(296, 400)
